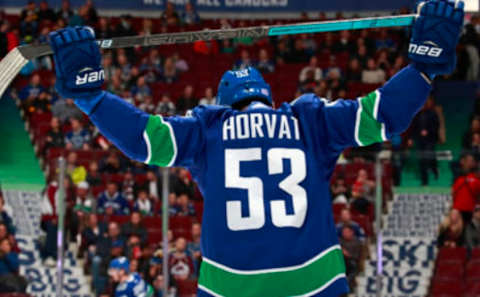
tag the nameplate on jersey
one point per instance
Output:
(261, 125)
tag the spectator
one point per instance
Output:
(298, 53)
(472, 231)
(185, 206)
(359, 202)
(93, 176)
(344, 44)
(5, 218)
(451, 231)
(79, 18)
(93, 231)
(79, 138)
(108, 246)
(124, 27)
(309, 44)
(66, 109)
(112, 163)
(373, 74)
(129, 187)
(183, 184)
(190, 16)
(143, 204)
(244, 62)
(474, 128)
(264, 64)
(112, 199)
(153, 185)
(125, 68)
(141, 90)
(180, 64)
(84, 201)
(466, 189)
(32, 91)
(45, 13)
(193, 247)
(425, 129)
(312, 67)
(339, 191)
(10, 280)
(104, 31)
(135, 228)
(91, 13)
(170, 16)
(77, 173)
(354, 71)
(173, 208)
(29, 20)
(187, 101)
(65, 12)
(180, 263)
(367, 185)
(352, 252)
(383, 41)
(362, 55)
(55, 137)
(227, 47)
(165, 107)
(158, 285)
(206, 47)
(346, 220)
(147, 105)
(209, 98)
(170, 73)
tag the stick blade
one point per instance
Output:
(10, 66)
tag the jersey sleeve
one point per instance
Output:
(370, 119)
(152, 139)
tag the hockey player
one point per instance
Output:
(128, 284)
(268, 227)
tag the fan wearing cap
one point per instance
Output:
(128, 284)
(264, 173)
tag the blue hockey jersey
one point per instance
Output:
(134, 286)
(268, 227)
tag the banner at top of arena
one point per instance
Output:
(236, 5)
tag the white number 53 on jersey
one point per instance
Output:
(254, 187)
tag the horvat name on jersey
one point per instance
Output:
(260, 125)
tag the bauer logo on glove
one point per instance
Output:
(85, 77)
(435, 36)
(424, 50)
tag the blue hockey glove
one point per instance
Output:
(78, 66)
(435, 35)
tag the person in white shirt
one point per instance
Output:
(373, 74)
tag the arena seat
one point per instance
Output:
(187, 288)
(457, 255)
(154, 236)
(447, 287)
(473, 270)
(448, 271)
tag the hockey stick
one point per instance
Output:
(13, 62)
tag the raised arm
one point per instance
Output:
(390, 109)
(146, 138)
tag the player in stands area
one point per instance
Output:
(268, 227)
(128, 284)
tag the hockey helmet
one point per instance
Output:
(239, 85)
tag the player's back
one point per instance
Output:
(268, 228)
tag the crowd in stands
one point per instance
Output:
(113, 204)
(10, 279)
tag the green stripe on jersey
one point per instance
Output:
(161, 144)
(312, 277)
(367, 129)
